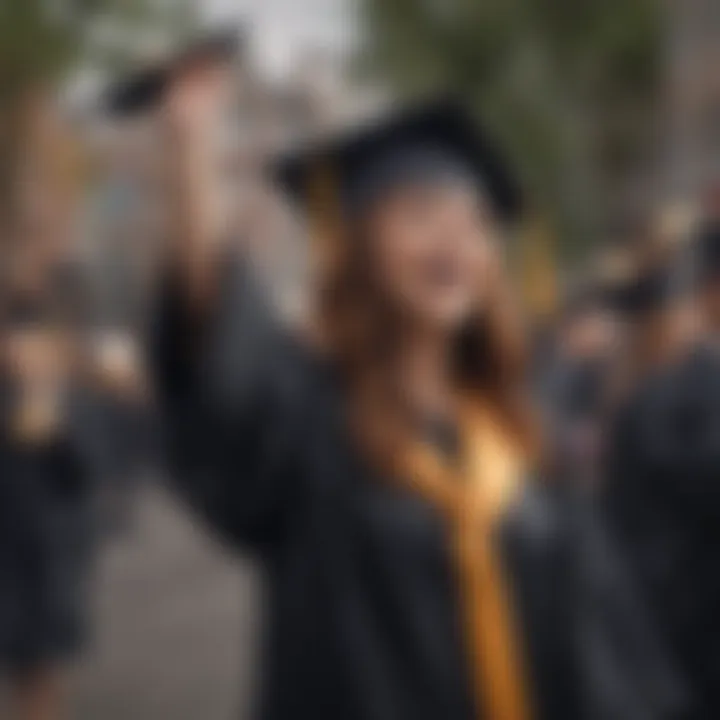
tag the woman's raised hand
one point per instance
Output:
(192, 113)
(194, 100)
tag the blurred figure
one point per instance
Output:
(47, 526)
(649, 304)
(54, 443)
(707, 260)
(376, 467)
(577, 386)
(661, 485)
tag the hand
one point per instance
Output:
(117, 363)
(194, 101)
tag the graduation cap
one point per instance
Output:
(431, 143)
(647, 290)
(144, 89)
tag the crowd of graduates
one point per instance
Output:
(632, 393)
(601, 598)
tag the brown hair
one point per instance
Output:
(357, 329)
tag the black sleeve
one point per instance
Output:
(231, 394)
(627, 670)
(622, 477)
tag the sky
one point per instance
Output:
(282, 29)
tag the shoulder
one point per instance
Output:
(688, 389)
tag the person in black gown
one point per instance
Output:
(381, 466)
(576, 383)
(48, 528)
(661, 492)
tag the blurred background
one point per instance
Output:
(609, 111)
(610, 114)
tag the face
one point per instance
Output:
(591, 335)
(430, 251)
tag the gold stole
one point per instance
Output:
(474, 497)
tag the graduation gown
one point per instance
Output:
(47, 539)
(663, 499)
(363, 608)
(572, 405)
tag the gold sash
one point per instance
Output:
(474, 497)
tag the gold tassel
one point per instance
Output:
(474, 505)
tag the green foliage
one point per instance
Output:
(42, 40)
(570, 86)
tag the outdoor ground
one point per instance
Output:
(177, 625)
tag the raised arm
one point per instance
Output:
(229, 381)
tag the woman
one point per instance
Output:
(378, 470)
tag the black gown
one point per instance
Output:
(362, 594)
(663, 499)
(48, 534)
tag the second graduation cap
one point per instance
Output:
(435, 142)
(647, 290)
(142, 90)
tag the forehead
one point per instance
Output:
(426, 194)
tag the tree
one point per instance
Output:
(570, 86)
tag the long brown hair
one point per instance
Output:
(357, 328)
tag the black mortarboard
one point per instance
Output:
(648, 290)
(438, 140)
(144, 89)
